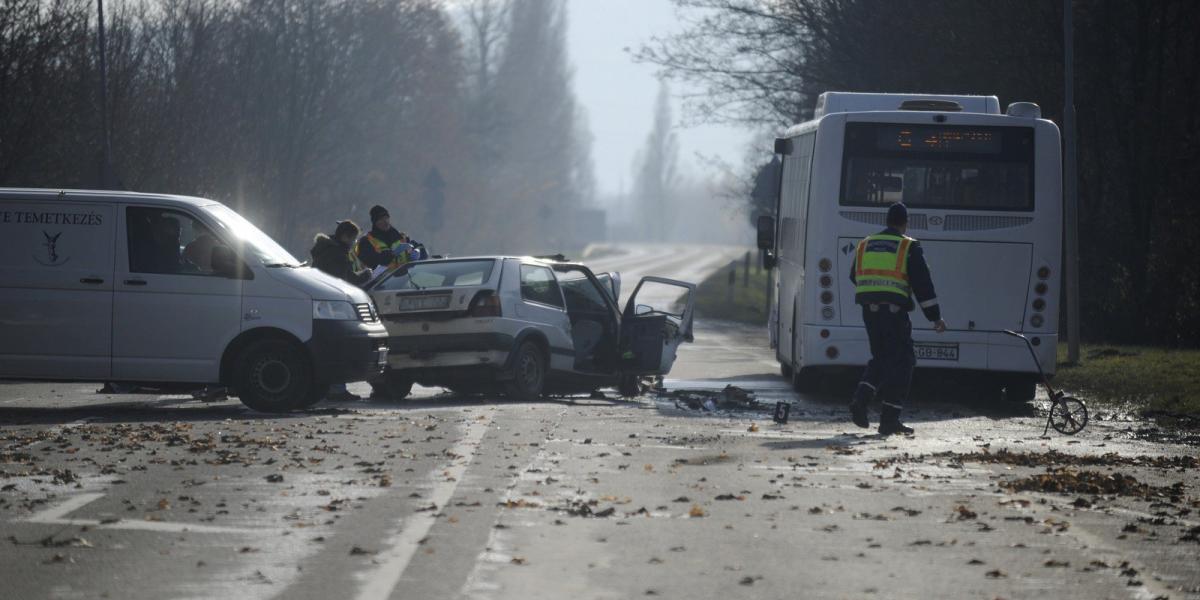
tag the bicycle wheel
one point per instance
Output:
(1068, 415)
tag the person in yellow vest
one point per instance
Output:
(889, 270)
(383, 246)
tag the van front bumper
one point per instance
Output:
(344, 351)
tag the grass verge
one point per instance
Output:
(1156, 380)
(745, 304)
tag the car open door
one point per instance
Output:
(657, 319)
(612, 284)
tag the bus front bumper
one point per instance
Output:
(968, 350)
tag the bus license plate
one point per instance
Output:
(936, 351)
(424, 302)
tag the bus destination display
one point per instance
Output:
(903, 138)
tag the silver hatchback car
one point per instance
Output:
(529, 326)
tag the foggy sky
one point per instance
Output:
(618, 94)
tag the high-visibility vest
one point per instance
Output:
(881, 265)
(400, 257)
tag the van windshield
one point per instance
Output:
(254, 241)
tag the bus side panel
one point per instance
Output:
(793, 219)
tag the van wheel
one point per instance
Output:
(393, 386)
(629, 386)
(806, 380)
(274, 376)
(529, 373)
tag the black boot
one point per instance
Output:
(858, 405)
(889, 422)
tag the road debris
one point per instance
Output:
(1071, 481)
(731, 398)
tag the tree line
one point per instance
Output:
(458, 118)
(1137, 76)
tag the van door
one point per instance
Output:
(657, 319)
(173, 316)
(56, 289)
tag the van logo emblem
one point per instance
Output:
(847, 249)
(936, 221)
(53, 259)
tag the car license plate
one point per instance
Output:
(424, 302)
(936, 351)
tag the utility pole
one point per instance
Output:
(1070, 200)
(106, 173)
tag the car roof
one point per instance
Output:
(50, 195)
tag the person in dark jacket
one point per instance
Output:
(889, 270)
(333, 254)
(381, 245)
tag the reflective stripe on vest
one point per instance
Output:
(881, 265)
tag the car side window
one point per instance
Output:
(581, 294)
(169, 242)
(538, 284)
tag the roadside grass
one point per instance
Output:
(1154, 380)
(747, 303)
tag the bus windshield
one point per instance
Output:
(938, 166)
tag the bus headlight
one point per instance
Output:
(825, 265)
(826, 281)
(1041, 288)
(827, 313)
(1037, 320)
(1043, 273)
(1039, 305)
(826, 297)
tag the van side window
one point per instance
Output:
(168, 242)
(538, 284)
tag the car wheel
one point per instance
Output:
(317, 394)
(392, 387)
(806, 380)
(529, 373)
(274, 376)
(630, 386)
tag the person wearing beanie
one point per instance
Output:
(381, 246)
(331, 254)
(889, 270)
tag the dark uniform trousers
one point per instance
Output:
(889, 373)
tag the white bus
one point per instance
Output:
(983, 191)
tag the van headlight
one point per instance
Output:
(334, 309)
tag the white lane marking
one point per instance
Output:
(56, 515)
(62, 509)
(380, 582)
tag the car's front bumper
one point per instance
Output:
(344, 351)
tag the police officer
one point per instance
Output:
(889, 269)
(383, 246)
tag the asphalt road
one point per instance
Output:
(467, 497)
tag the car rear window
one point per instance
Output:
(439, 274)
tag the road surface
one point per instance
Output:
(479, 498)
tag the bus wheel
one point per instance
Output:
(785, 370)
(806, 380)
(1020, 389)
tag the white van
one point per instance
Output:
(147, 288)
